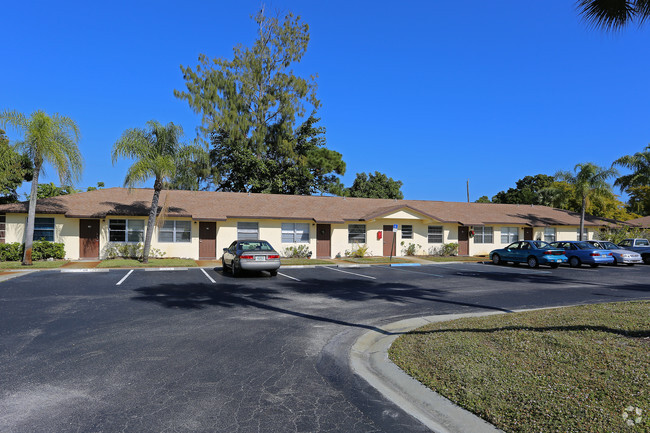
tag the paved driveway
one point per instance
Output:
(198, 350)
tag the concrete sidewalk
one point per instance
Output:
(369, 359)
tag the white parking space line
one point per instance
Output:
(347, 272)
(288, 276)
(209, 277)
(124, 278)
(412, 271)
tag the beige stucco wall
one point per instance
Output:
(562, 233)
(67, 231)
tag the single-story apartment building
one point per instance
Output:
(643, 222)
(199, 224)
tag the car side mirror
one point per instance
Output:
(225, 250)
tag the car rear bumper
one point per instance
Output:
(548, 260)
(599, 260)
(266, 265)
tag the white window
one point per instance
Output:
(549, 234)
(44, 229)
(2, 229)
(175, 231)
(509, 234)
(585, 234)
(295, 233)
(483, 235)
(435, 234)
(248, 231)
(357, 233)
(407, 232)
(126, 230)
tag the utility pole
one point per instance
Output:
(467, 190)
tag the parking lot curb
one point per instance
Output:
(369, 359)
(353, 266)
(71, 271)
(164, 269)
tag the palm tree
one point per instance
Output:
(639, 163)
(47, 139)
(157, 150)
(614, 14)
(590, 181)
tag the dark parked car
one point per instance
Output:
(579, 252)
(639, 245)
(250, 255)
(620, 255)
(534, 253)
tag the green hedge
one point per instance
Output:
(41, 250)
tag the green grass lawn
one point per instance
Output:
(153, 263)
(288, 261)
(40, 264)
(453, 258)
(375, 260)
(562, 370)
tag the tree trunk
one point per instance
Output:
(582, 218)
(31, 218)
(157, 187)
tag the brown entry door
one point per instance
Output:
(528, 233)
(323, 241)
(389, 239)
(207, 240)
(463, 241)
(88, 239)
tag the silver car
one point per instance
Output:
(250, 255)
(621, 255)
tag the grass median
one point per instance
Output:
(40, 264)
(578, 369)
(153, 263)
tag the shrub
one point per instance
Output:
(12, 252)
(411, 249)
(130, 251)
(445, 250)
(359, 252)
(618, 234)
(43, 250)
(297, 252)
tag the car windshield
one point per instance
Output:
(541, 244)
(255, 246)
(584, 246)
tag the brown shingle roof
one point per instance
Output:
(640, 222)
(206, 205)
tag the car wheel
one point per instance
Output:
(234, 269)
(273, 273)
(554, 265)
(646, 260)
(574, 262)
(615, 262)
(533, 262)
(496, 259)
(595, 265)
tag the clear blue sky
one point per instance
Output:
(431, 93)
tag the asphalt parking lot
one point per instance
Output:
(197, 350)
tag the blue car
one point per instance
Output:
(534, 253)
(579, 252)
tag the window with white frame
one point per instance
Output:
(295, 233)
(434, 234)
(175, 231)
(2, 228)
(585, 234)
(509, 234)
(248, 231)
(357, 233)
(483, 235)
(44, 229)
(407, 232)
(549, 234)
(123, 230)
